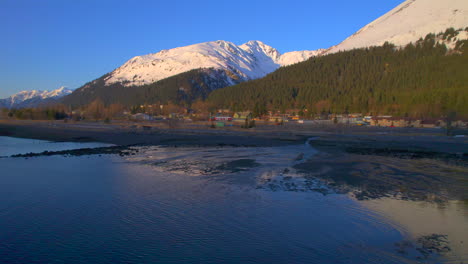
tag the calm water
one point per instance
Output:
(197, 205)
(10, 146)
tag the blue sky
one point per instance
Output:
(49, 43)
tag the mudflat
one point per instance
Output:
(131, 133)
(405, 173)
(143, 134)
(420, 168)
(369, 162)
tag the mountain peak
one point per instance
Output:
(250, 60)
(254, 43)
(408, 22)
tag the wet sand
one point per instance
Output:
(135, 134)
(161, 133)
(421, 168)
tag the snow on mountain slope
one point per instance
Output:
(298, 56)
(60, 92)
(251, 60)
(36, 96)
(408, 22)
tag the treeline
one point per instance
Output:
(181, 89)
(96, 110)
(421, 80)
(55, 112)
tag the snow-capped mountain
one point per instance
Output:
(294, 57)
(251, 60)
(408, 22)
(192, 72)
(33, 98)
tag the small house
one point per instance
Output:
(389, 121)
(242, 116)
(221, 118)
(141, 117)
(432, 123)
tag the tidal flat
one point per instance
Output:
(229, 204)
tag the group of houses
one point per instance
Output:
(247, 115)
(391, 121)
(409, 122)
(349, 119)
(236, 117)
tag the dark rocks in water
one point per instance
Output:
(401, 168)
(158, 163)
(400, 147)
(425, 246)
(299, 157)
(433, 244)
(407, 153)
(403, 247)
(374, 176)
(119, 150)
(238, 165)
(206, 167)
(82, 139)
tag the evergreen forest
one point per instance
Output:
(421, 80)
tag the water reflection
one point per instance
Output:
(207, 205)
(11, 146)
(440, 227)
(237, 223)
(105, 209)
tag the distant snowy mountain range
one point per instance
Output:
(33, 98)
(227, 64)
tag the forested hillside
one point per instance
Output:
(423, 79)
(180, 89)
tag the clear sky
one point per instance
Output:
(46, 44)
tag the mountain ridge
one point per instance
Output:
(408, 22)
(206, 66)
(251, 60)
(181, 89)
(34, 98)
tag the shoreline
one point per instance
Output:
(130, 133)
